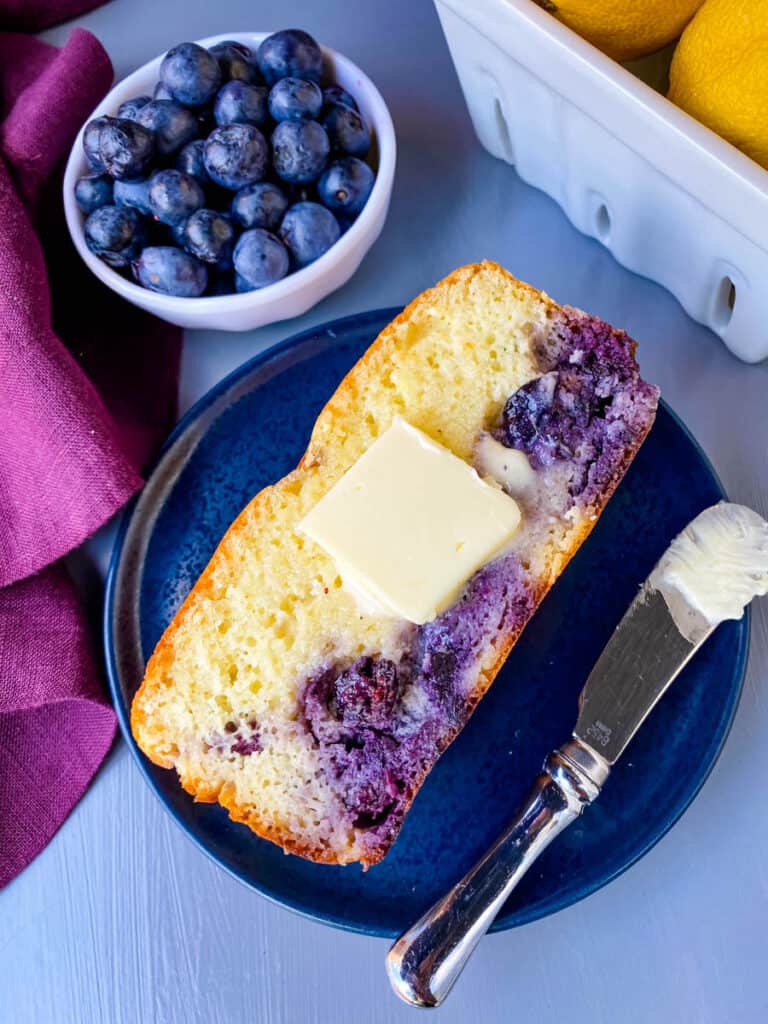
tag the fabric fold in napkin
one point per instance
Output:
(87, 392)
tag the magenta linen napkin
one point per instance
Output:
(87, 391)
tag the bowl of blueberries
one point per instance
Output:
(234, 181)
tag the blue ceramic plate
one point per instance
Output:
(250, 430)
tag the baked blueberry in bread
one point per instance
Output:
(314, 718)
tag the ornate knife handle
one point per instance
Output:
(427, 959)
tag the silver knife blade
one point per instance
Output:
(642, 659)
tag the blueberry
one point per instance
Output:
(347, 131)
(231, 47)
(259, 206)
(173, 196)
(299, 150)
(191, 74)
(190, 160)
(528, 411)
(260, 259)
(134, 194)
(293, 99)
(236, 62)
(366, 693)
(240, 103)
(552, 416)
(91, 137)
(308, 230)
(125, 148)
(93, 191)
(365, 765)
(209, 235)
(115, 234)
(174, 125)
(161, 92)
(130, 108)
(236, 155)
(290, 53)
(333, 94)
(346, 185)
(164, 268)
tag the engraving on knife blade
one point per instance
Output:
(600, 733)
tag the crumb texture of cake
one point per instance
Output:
(315, 720)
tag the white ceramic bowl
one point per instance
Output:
(299, 291)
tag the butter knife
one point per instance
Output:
(648, 649)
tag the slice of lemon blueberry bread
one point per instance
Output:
(314, 715)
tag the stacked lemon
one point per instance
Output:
(719, 71)
(622, 28)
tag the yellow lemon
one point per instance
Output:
(719, 72)
(624, 29)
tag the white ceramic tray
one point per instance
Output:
(668, 197)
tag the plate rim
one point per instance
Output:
(122, 709)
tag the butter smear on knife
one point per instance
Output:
(713, 569)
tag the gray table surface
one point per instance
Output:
(122, 919)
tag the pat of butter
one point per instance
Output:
(410, 522)
(508, 466)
